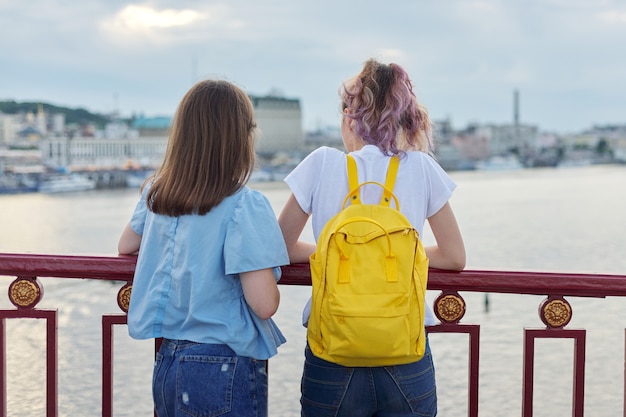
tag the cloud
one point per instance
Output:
(613, 16)
(139, 23)
(137, 18)
(465, 57)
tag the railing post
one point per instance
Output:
(107, 361)
(528, 381)
(449, 307)
(25, 292)
(473, 331)
(3, 369)
(578, 389)
(52, 363)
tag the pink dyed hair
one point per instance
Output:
(384, 110)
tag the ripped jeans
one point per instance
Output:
(207, 380)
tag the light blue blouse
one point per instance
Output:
(186, 283)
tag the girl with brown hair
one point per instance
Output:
(209, 251)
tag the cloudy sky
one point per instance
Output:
(567, 58)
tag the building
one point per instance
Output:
(600, 144)
(280, 125)
(9, 125)
(152, 126)
(92, 154)
(280, 133)
(279, 122)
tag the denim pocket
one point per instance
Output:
(416, 382)
(204, 385)
(323, 386)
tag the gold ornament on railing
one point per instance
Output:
(449, 307)
(555, 312)
(123, 297)
(25, 292)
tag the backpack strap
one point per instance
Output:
(353, 181)
(390, 180)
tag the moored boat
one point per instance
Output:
(12, 184)
(500, 162)
(66, 183)
(135, 179)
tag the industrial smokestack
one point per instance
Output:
(516, 107)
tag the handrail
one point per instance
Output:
(555, 312)
(68, 266)
(518, 282)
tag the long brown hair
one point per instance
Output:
(210, 152)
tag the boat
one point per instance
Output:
(572, 163)
(66, 183)
(14, 184)
(16, 179)
(500, 163)
(135, 179)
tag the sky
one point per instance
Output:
(566, 58)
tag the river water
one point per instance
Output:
(562, 220)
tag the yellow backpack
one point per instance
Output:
(369, 274)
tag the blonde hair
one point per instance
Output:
(210, 152)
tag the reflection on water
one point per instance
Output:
(551, 220)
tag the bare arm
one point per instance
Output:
(129, 242)
(292, 220)
(449, 252)
(261, 292)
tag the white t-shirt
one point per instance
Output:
(320, 184)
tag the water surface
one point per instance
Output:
(565, 220)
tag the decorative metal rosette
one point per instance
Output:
(25, 292)
(449, 307)
(555, 312)
(123, 297)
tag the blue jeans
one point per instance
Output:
(206, 380)
(331, 390)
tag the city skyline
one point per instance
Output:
(466, 58)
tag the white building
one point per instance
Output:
(280, 124)
(505, 139)
(8, 129)
(280, 132)
(58, 124)
(90, 153)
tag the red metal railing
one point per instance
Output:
(555, 312)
